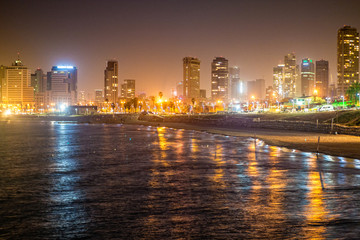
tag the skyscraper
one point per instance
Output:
(256, 89)
(111, 82)
(219, 79)
(180, 89)
(278, 80)
(347, 58)
(128, 88)
(16, 85)
(291, 71)
(39, 83)
(99, 96)
(322, 78)
(307, 77)
(237, 87)
(62, 85)
(191, 78)
(82, 97)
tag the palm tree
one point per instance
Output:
(135, 102)
(352, 91)
(153, 101)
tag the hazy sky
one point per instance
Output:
(150, 38)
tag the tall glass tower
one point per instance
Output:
(347, 58)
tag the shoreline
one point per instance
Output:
(334, 145)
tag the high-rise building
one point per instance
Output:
(123, 90)
(270, 95)
(16, 85)
(82, 97)
(237, 87)
(191, 78)
(347, 58)
(291, 71)
(219, 79)
(99, 96)
(332, 91)
(180, 89)
(111, 82)
(62, 85)
(128, 88)
(203, 93)
(307, 77)
(322, 78)
(39, 83)
(278, 80)
(256, 89)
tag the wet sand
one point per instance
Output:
(335, 145)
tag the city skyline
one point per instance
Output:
(245, 37)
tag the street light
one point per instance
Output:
(359, 98)
(343, 101)
(328, 100)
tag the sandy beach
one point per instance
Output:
(336, 145)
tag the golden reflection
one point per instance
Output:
(253, 171)
(315, 211)
(194, 145)
(277, 183)
(275, 152)
(218, 176)
(164, 145)
(178, 144)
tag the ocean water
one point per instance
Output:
(80, 181)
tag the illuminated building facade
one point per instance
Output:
(347, 58)
(39, 83)
(191, 78)
(307, 77)
(256, 89)
(82, 98)
(270, 95)
(237, 87)
(16, 85)
(99, 96)
(62, 86)
(128, 88)
(180, 90)
(219, 79)
(278, 80)
(291, 72)
(111, 82)
(322, 78)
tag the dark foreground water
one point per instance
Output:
(66, 181)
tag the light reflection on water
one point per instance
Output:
(115, 181)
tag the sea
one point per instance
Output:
(63, 180)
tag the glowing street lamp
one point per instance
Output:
(343, 101)
(328, 100)
(359, 98)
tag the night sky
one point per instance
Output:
(150, 38)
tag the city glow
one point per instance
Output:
(7, 112)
